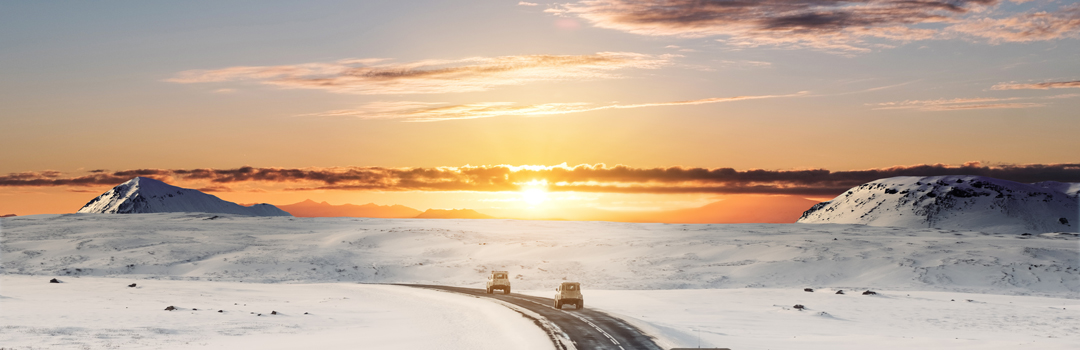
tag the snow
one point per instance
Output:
(734, 283)
(101, 313)
(955, 202)
(145, 195)
(764, 318)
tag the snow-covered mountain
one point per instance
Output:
(972, 203)
(145, 195)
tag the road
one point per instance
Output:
(588, 329)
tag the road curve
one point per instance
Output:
(588, 329)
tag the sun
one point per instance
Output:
(534, 196)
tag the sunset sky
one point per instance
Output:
(530, 109)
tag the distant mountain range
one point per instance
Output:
(734, 209)
(310, 208)
(970, 203)
(146, 195)
(452, 214)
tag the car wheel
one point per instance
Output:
(506, 291)
(580, 305)
(489, 291)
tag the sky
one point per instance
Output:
(526, 109)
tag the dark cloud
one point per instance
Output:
(825, 24)
(581, 178)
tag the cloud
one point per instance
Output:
(956, 104)
(376, 76)
(435, 111)
(1038, 86)
(596, 178)
(969, 103)
(522, 3)
(832, 25)
(1035, 26)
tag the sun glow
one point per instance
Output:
(535, 192)
(534, 196)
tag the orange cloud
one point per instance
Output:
(431, 112)
(375, 76)
(560, 178)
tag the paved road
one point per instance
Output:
(588, 329)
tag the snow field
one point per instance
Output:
(103, 313)
(764, 318)
(538, 254)
(732, 285)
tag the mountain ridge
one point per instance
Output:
(310, 208)
(146, 195)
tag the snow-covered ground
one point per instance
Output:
(764, 318)
(104, 313)
(734, 285)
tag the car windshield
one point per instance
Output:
(499, 275)
(571, 287)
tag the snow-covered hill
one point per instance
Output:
(145, 195)
(972, 203)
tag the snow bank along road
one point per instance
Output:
(586, 328)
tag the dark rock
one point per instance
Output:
(840, 291)
(808, 289)
(54, 281)
(221, 311)
(869, 292)
(131, 285)
(799, 307)
(194, 309)
(170, 308)
(305, 313)
(273, 312)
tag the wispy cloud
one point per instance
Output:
(523, 3)
(833, 25)
(377, 76)
(1038, 86)
(957, 104)
(1034, 26)
(598, 178)
(431, 112)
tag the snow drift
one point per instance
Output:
(973, 203)
(145, 195)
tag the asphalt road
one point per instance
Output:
(588, 329)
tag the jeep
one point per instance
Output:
(498, 280)
(569, 293)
